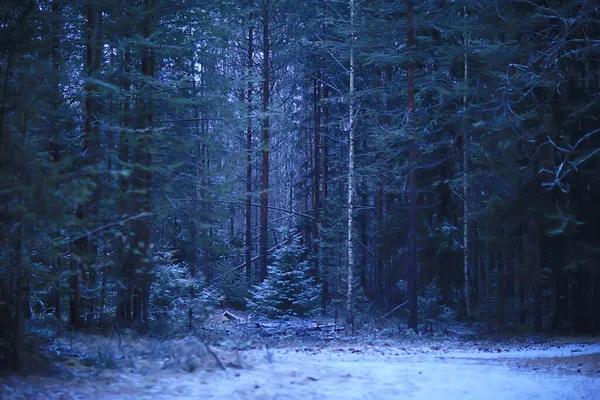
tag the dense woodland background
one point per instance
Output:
(159, 157)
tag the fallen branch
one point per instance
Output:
(322, 327)
(388, 314)
(291, 212)
(230, 316)
(212, 353)
(118, 223)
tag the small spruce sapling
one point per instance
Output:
(289, 290)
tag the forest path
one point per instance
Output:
(382, 373)
(351, 372)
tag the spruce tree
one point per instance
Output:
(289, 290)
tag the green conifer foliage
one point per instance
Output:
(288, 289)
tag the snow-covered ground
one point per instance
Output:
(353, 371)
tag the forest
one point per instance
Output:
(421, 164)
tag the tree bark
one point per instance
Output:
(465, 182)
(351, 184)
(264, 195)
(142, 178)
(124, 309)
(537, 277)
(194, 217)
(325, 186)
(413, 272)
(317, 172)
(56, 151)
(85, 248)
(249, 153)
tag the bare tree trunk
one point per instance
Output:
(488, 277)
(249, 154)
(379, 204)
(264, 195)
(413, 272)
(523, 279)
(325, 223)
(351, 184)
(465, 183)
(20, 269)
(317, 172)
(56, 151)
(124, 309)
(85, 247)
(142, 180)
(194, 218)
(537, 277)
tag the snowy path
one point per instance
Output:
(359, 372)
(386, 373)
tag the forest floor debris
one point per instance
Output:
(302, 359)
(350, 371)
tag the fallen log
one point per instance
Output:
(231, 317)
(334, 327)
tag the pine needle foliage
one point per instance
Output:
(288, 289)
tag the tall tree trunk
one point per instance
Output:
(56, 152)
(537, 277)
(379, 204)
(465, 180)
(325, 174)
(379, 236)
(195, 184)
(524, 278)
(142, 177)
(85, 247)
(264, 195)
(488, 277)
(249, 152)
(413, 272)
(387, 199)
(21, 268)
(317, 171)
(351, 183)
(125, 307)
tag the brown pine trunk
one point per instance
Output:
(141, 181)
(523, 278)
(21, 286)
(317, 172)
(412, 181)
(249, 155)
(380, 247)
(146, 233)
(19, 328)
(124, 309)
(264, 195)
(137, 302)
(465, 182)
(85, 247)
(537, 278)
(379, 204)
(325, 166)
(56, 151)
(488, 278)
(194, 218)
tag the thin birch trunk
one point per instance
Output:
(351, 188)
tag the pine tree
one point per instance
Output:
(289, 289)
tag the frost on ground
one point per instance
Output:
(344, 370)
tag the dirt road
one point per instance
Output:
(382, 373)
(358, 373)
